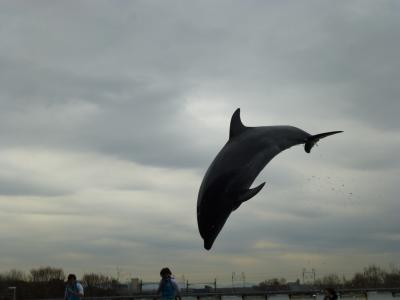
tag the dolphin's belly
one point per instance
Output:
(251, 170)
(238, 165)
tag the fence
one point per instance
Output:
(355, 294)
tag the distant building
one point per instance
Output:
(136, 285)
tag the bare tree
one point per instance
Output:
(14, 275)
(97, 281)
(47, 274)
(329, 280)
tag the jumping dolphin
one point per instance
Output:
(226, 184)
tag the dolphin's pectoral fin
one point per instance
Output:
(246, 195)
(250, 193)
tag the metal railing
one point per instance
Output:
(292, 294)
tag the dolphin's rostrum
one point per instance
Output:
(226, 184)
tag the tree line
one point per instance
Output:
(49, 282)
(372, 276)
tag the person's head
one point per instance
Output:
(165, 272)
(71, 278)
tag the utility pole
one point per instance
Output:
(118, 273)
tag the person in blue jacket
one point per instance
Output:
(73, 289)
(168, 288)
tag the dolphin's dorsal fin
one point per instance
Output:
(246, 195)
(237, 126)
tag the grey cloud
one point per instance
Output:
(327, 232)
(130, 119)
(146, 87)
(117, 79)
(373, 152)
(18, 187)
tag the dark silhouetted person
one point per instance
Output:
(168, 288)
(73, 289)
(330, 294)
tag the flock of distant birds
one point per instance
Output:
(332, 186)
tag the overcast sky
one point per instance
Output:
(112, 111)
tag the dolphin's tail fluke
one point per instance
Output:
(313, 139)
